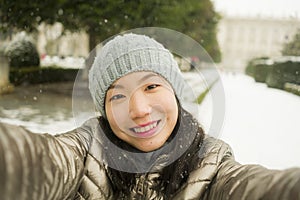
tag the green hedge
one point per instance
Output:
(293, 88)
(250, 69)
(281, 73)
(251, 66)
(260, 72)
(35, 75)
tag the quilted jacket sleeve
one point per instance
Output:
(236, 181)
(40, 166)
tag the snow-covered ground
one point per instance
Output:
(67, 62)
(261, 124)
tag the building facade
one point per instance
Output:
(242, 39)
(53, 40)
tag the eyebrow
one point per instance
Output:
(139, 81)
(115, 86)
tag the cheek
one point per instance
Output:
(168, 102)
(168, 106)
(116, 115)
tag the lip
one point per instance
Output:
(145, 130)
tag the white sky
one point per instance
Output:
(270, 8)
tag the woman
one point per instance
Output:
(145, 145)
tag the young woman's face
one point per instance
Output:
(142, 110)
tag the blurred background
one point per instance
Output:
(255, 46)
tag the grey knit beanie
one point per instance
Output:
(130, 53)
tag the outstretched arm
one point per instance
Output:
(236, 181)
(40, 166)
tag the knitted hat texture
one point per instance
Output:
(131, 53)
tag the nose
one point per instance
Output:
(139, 105)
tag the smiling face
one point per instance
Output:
(142, 110)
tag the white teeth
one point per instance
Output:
(145, 128)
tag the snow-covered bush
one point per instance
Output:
(22, 53)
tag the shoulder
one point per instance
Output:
(81, 136)
(90, 125)
(211, 154)
(214, 150)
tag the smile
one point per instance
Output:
(145, 128)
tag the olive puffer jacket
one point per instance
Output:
(90, 163)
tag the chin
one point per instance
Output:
(150, 147)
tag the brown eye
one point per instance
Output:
(151, 87)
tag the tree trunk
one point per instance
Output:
(5, 86)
